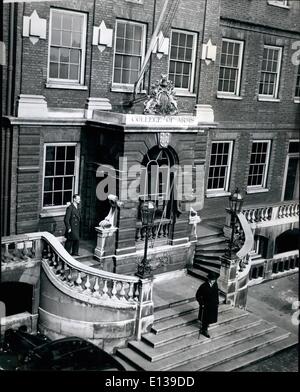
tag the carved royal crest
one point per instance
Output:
(162, 99)
(164, 139)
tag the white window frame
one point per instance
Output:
(297, 97)
(269, 97)
(289, 155)
(254, 188)
(279, 3)
(67, 83)
(127, 87)
(76, 171)
(221, 191)
(224, 94)
(190, 90)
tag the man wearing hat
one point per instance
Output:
(208, 297)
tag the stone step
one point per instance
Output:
(257, 355)
(126, 364)
(205, 231)
(270, 335)
(175, 311)
(213, 246)
(218, 250)
(226, 314)
(203, 351)
(212, 263)
(206, 268)
(201, 275)
(210, 241)
(191, 338)
(208, 256)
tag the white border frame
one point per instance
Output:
(64, 83)
(184, 91)
(263, 186)
(278, 72)
(123, 87)
(226, 94)
(287, 159)
(221, 191)
(76, 170)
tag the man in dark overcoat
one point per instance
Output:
(72, 223)
(208, 297)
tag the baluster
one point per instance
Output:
(289, 210)
(33, 248)
(62, 270)
(136, 293)
(130, 292)
(253, 217)
(122, 292)
(6, 254)
(87, 285)
(293, 209)
(96, 288)
(105, 290)
(114, 291)
(55, 261)
(69, 277)
(79, 281)
(283, 211)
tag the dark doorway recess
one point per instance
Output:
(17, 297)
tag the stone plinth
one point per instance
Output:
(227, 281)
(105, 242)
(96, 104)
(32, 106)
(145, 308)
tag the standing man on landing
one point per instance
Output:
(208, 298)
(72, 223)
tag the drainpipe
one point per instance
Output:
(11, 68)
(150, 64)
(200, 62)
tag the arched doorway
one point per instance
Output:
(287, 241)
(17, 297)
(158, 183)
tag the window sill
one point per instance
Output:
(265, 98)
(228, 96)
(270, 2)
(182, 93)
(257, 190)
(52, 212)
(217, 194)
(66, 86)
(297, 100)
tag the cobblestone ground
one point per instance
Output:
(286, 361)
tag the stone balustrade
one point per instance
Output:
(159, 231)
(260, 215)
(20, 248)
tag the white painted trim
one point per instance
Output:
(76, 175)
(266, 168)
(221, 191)
(183, 91)
(227, 95)
(66, 86)
(254, 189)
(274, 97)
(267, 98)
(216, 194)
(297, 100)
(123, 87)
(83, 49)
(240, 64)
(289, 155)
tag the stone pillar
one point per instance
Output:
(227, 282)
(105, 248)
(145, 307)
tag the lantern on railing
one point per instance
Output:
(147, 216)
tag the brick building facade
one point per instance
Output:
(234, 67)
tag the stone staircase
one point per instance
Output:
(174, 344)
(210, 246)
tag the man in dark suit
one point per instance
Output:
(72, 223)
(208, 297)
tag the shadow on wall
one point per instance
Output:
(287, 241)
(16, 298)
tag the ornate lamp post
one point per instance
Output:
(147, 215)
(235, 207)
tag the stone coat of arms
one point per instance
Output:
(162, 99)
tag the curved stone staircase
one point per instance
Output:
(211, 244)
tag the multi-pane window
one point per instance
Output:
(259, 161)
(230, 67)
(129, 51)
(60, 173)
(297, 89)
(67, 46)
(182, 59)
(219, 166)
(270, 71)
